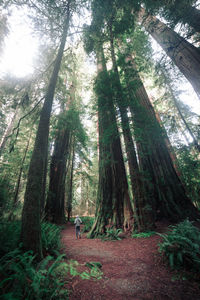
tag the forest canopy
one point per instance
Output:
(98, 125)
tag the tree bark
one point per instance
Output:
(31, 227)
(185, 56)
(70, 184)
(113, 196)
(166, 189)
(54, 209)
(143, 218)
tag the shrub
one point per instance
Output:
(50, 238)
(9, 236)
(22, 279)
(181, 245)
(112, 234)
(143, 234)
(87, 222)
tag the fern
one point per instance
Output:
(181, 245)
(23, 279)
(111, 234)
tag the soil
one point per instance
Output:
(132, 269)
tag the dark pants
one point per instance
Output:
(78, 231)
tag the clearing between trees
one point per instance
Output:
(132, 269)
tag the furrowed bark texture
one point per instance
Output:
(143, 219)
(166, 190)
(113, 187)
(55, 206)
(185, 56)
(31, 227)
(70, 186)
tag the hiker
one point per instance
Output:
(77, 223)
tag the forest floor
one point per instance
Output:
(132, 269)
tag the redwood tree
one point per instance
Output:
(31, 227)
(185, 56)
(169, 198)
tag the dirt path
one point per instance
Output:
(132, 269)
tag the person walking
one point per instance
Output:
(77, 223)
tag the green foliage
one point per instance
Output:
(143, 234)
(72, 269)
(9, 236)
(181, 245)
(88, 222)
(50, 237)
(22, 279)
(4, 195)
(112, 234)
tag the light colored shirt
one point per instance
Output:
(77, 222)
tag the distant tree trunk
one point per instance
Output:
(31, 227)
(166, 189)
(185, 56)
(113, 196)
(196, 144)
(70, 184)
(20, 172)
(55, 207)
(8, 130)
(143, 218)
(16, 192)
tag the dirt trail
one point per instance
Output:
(132, 269)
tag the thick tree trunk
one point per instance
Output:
(165, 186)
(185, 56)
(113, 197)
(31, 227)
(143, 218)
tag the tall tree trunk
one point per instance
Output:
(55, 200)
(196, 144)
(20, 172)
(155, 161)
(143, 218)
(31, 227)
(70, 185)
(185, 56)
(113, 196)
(16, 193)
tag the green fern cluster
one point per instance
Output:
(181, 245)
(50, 234)
(22, 279)
(112, 234)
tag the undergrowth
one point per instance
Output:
(143, 234)
(181, 246)
(87, 222)
(112, 234)
(23, 278)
